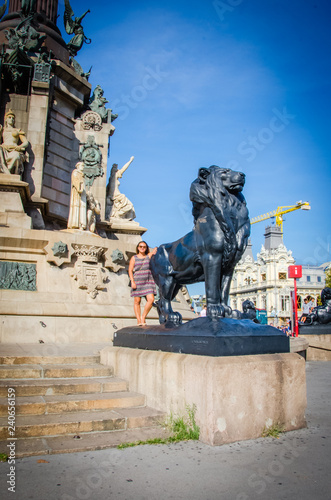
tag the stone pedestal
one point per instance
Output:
(319, 338)
(13, 191)
(218, 337)
(236, 397)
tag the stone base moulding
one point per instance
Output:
(236, 397)
(319, 338)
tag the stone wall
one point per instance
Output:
(78, 295)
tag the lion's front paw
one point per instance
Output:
(227, 311)
(174, 319)
(215, 312)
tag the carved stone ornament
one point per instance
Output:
(92, 121)
(88, 253)
(90, 155)
(18, 276)
(117, 256)
(60, 249)
(90, 276)
(88, 272)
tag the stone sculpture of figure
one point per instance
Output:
(98, 104)
(74, 26)
(25, 36)
(118, 205)
(93, 209)
(12, 149)
(78, 202)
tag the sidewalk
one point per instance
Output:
(294, 466)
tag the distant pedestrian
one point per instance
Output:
(305, 310)
(203, 312)
(192, 309)
(311, 304)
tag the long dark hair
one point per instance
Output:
(147, 247)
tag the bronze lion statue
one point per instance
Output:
(321, 314)
(210, 252)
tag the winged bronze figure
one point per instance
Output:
(74, 25)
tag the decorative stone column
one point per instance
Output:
(49, 7)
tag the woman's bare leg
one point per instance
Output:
(137, 311)
(148, 307)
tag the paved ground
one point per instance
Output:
(296, 466)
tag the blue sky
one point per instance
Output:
(239, 83)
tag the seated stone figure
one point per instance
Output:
(13, 147)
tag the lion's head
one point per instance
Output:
(214, 187)
(224, 178)
(248, 306)
(326, 295)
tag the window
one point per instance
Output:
(285, 302)
(263, 277)
(299, 302)
(282, 276)
(308, 279)
(319, 279)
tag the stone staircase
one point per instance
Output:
(70, 403)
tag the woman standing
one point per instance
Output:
(142, 282)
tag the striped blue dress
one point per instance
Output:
(143, 278)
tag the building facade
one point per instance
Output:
(265, 280)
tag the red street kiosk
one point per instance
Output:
(295, 272)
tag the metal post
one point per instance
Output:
(296, 326)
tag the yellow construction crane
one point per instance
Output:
(280, 211)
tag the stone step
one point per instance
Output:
(54, 371)
(79, 422)
(49, 360)
(49, 387)
(86, 442)
(25, 371)
(43, 405)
